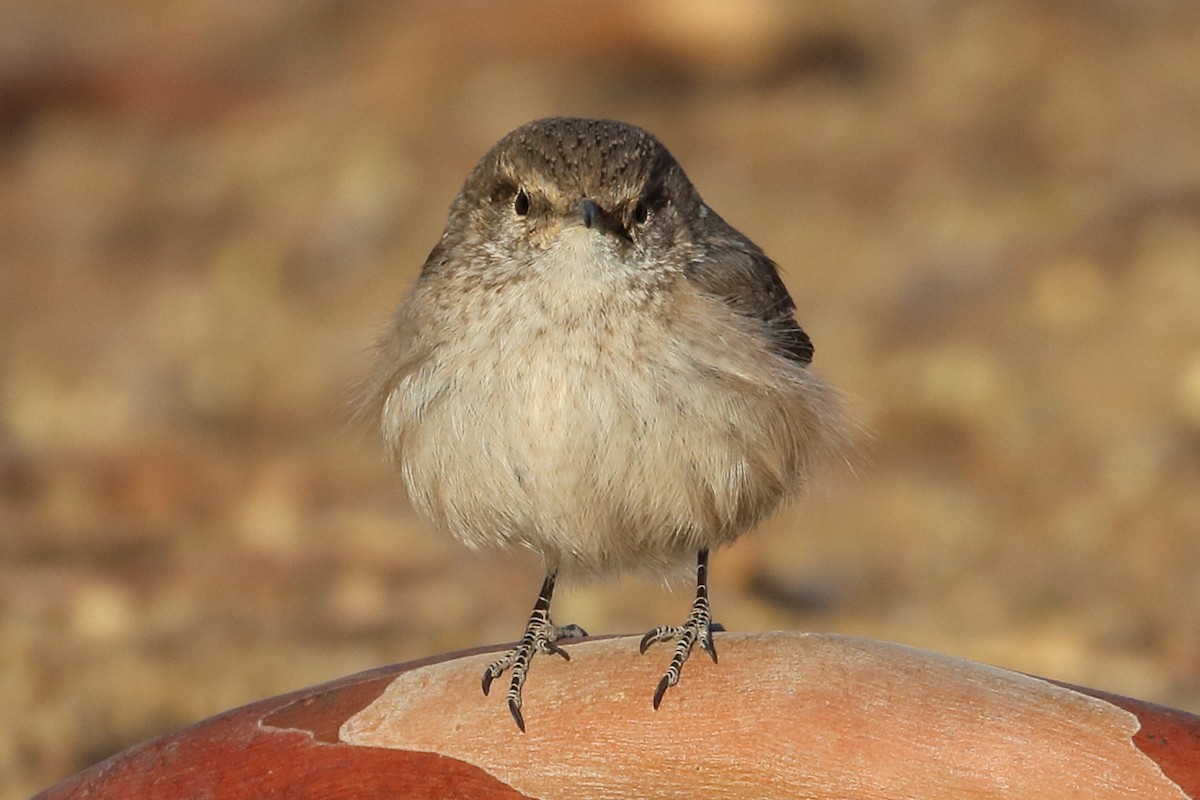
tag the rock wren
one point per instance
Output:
(596, 366)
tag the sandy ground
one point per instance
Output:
(989, 216)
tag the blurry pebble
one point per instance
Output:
(1133, 464)
(1189, 393)
(1070, 295)
(269, 517)
(360, 599)
(707, 31)
(960, 382)
(103, 611)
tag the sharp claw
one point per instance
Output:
(515, 708)
(540, 636)
(697, 629)
(663, 685)
(538, 639)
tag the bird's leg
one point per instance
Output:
(540, 637)
(699, 627)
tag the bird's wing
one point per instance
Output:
(736, 270)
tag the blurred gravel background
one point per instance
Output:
(989, 216)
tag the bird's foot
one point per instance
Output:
(698, 628)
(540, 636)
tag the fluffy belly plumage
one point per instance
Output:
(615, 444)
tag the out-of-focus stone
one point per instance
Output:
(103, 611)
(1189, 393)
(1070, 295)
(960, 382)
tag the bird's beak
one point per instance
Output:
(591, 214)
(595, 218)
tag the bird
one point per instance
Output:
(594, 365)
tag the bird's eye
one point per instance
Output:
(641, 213)
(521, 203)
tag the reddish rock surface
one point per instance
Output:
(782, 716)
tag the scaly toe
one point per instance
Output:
(540, 637)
